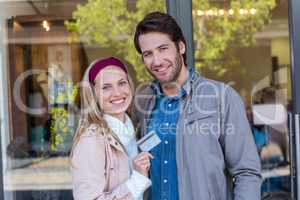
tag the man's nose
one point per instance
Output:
(157, 60)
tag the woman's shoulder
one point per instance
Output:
(93, 130)
(90, 140)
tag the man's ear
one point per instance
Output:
(181, 46)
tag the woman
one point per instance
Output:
(105, 160)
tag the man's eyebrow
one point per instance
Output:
(145, 51)
(162, 45)
(121, 79)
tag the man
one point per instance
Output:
(207, 150)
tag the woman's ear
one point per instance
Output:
(97, 96)
(95, 93)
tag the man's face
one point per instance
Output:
(162, 58)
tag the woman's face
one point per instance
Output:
(113, 91)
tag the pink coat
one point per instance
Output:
(99, 167)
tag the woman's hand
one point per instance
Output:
(141, 163)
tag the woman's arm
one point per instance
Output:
(88, 172)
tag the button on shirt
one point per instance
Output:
(163, 170)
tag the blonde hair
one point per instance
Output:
(90, 111)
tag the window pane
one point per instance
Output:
(46, 46)
(246, 44)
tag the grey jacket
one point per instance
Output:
(215, 151)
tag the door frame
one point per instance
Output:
(181, 10)
(294, 32)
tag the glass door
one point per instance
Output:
(45, 48)
(246, 45)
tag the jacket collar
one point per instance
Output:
(114, 141)
(186, 87)
(111, 138)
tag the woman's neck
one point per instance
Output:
(119, 116)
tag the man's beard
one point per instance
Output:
(174, 74)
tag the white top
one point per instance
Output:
(137, 183)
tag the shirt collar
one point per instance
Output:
(185, 89)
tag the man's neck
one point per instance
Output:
(172, 89)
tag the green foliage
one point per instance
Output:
(215, 35)
(59, 128)
(112, 24)
(60, 131)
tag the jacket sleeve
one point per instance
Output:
(240, 152)
(88, 173)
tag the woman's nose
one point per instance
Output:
(117, 91)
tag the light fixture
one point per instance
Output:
(209, 12)
(200, 13)
(242, 11)
(230, 11)
(253, 11)
(46, 25)
(222, 12)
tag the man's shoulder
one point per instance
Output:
(143, 93)
(209, 86)
(203, 80)
(145, 88)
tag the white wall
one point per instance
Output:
(14, 8)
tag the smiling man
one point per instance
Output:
(207, 150)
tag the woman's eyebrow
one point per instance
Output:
(106, 84)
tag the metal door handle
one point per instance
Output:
(291, 154)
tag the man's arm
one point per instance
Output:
(241, 156)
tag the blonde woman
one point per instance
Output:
(104, 159)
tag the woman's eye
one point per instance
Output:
(105, 87)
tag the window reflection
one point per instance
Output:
(246, 44)
(46, 58)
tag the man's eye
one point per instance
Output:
(163, 48)
(146, 55)
(122, 83)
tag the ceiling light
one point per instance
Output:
(46, 25)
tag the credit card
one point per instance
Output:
(148, 142)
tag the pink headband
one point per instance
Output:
(101, 64)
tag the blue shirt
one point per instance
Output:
(163, 170)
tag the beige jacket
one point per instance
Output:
(100, 168)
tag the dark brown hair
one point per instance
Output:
(162, 23)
